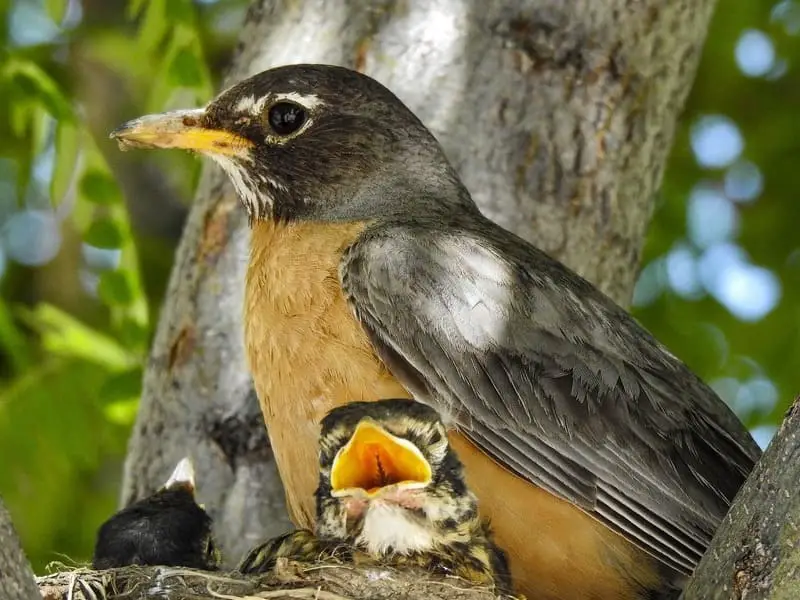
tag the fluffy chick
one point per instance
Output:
(167, 528)
(392, 491)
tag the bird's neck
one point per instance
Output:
(388, 528)
(396, 193)
(304, 245)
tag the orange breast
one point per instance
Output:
(304, 350)
(308, 354)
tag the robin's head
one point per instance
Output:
(389, 480)
(166, 528)
(312, 142)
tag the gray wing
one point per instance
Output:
(552, 379)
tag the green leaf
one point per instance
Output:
(33, 81)
(116, 289)
(105, 233)
(41, 122)
(182, 65)
(67, 146)
(120, 395)
(16, 347)
(180, 11)
(133, 331)
(108, 226)
(21, 114)
(100, 188)
(154, 25)
(186, 68)
(73, 449)
(122, 386)
(135, 8)
(122, 412)
(56, 9)
(63, 334)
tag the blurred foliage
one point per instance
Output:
(77, 313)
(86, 242)
(751, 359)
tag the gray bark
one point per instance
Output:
(559, 116)
(16, 577)
(755, 553)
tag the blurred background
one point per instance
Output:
(87, 233)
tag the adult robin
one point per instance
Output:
(166, 528)
(603, 462)
(392, 492)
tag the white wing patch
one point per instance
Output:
(481, 310)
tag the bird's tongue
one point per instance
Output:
(382, 468)
(374, 459)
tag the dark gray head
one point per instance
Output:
(313, 142)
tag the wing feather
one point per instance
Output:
(551, 379)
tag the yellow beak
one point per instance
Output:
(179, 129)
(374, 459)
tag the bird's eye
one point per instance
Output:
(285, 118)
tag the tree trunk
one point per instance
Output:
(755, 553)
(559, 117)
(16, 576)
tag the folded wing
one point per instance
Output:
(551, 379)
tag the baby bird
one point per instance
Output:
(167, 528)
(392, 491)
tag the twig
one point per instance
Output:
(292, 581)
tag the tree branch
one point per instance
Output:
(755, 553)
(16, 576)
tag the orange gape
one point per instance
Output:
(308, 354)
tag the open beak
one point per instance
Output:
(179, 129)
(374, 459)
(182, 476)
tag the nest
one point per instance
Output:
(288, 581)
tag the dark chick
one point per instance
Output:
(392, 490)
(373, 274)
(167, 528)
